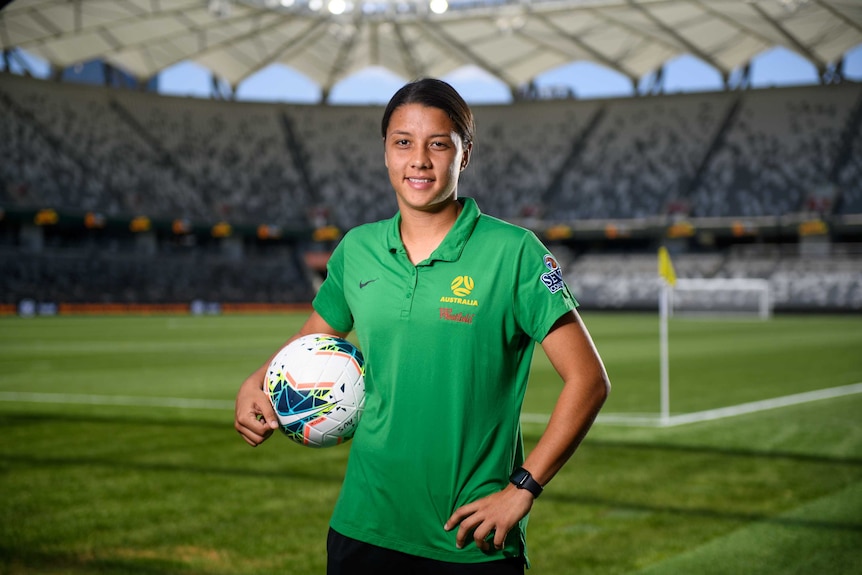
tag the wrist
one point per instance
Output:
(523, 479)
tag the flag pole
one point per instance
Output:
(667, 279)
(664, 295)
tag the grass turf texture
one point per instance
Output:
(99, 488)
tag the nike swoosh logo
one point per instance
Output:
(294, 417)
(363, 284)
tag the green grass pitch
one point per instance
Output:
(118, 454)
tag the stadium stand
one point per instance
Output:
(777, 150)
(519, 150)
(343, 150)
(737, 155)
(641, 157)
(82, 147)
(797, 283)
(70, 276)
(848, 173)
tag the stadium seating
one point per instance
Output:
(735, 154)
(850, 178)
(797, 282)
(780, 147)
(74, 276)
(122, 151)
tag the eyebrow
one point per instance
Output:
(406, 133)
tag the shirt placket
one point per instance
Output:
(409, 292)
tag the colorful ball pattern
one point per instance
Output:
(316, 385)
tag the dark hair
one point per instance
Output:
(434, 93)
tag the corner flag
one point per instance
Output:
(665, 266)
(665, 271)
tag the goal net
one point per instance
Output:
(727, 296)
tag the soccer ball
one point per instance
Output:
(316, 385)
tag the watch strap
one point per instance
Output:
(523, 479)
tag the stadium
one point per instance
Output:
(153, 248)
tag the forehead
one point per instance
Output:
(418, 119)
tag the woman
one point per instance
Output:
(447, 304)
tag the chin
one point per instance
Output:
(434, 206)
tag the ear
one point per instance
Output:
(465, 157)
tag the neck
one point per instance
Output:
(422, 232)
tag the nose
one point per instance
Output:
(420, 159)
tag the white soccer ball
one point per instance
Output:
(316, 385)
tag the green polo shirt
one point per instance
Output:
(448, 345)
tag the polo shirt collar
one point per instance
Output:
(453, 244)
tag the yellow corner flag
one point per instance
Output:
(665, 266)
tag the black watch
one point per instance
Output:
(522, 479)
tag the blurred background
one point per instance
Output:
(165, 154)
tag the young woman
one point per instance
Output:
(446, 303)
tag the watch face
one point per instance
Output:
(519, 476)
(523, 480)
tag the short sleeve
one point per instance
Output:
(542, 295)
(330, 301)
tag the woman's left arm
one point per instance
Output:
(585, 388)
(571, 351)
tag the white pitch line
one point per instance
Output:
(632, 419)
(610, 418)
(655, 420)
(763, 405)
(124, 400)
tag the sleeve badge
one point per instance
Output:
(553, 278)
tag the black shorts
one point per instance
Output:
(346, 556)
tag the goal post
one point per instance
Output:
(721, 296)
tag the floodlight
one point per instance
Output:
(438, 6)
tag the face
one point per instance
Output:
(424, 156)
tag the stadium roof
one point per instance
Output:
(514, 40)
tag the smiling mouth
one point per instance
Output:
(420, 180)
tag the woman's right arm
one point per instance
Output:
(254, 417)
